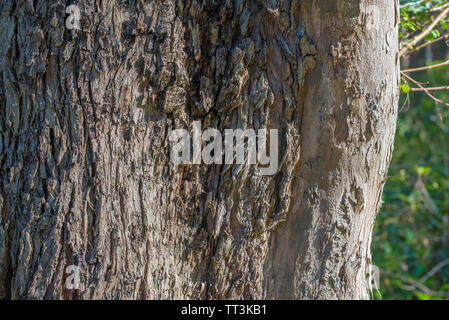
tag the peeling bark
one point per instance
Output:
(85, 171)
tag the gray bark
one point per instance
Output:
(85, 171)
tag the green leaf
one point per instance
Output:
(405, 88)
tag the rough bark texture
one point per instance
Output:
(85, 171)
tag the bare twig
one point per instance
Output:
(411, 4)
(427, 198)
(424, 89)
(434, 270)
(446, 36)
(427, 67)
(429, 89)
(412, 285)
(406, 102)
(444, 6)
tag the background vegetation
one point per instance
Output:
(411, 241)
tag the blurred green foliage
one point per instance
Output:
(411, 235)
(416, 13)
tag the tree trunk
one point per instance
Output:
(86, 177)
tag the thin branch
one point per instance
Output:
(406, 102)
(446, 36)
(411, 4)
(424, 89)
(427, 67)
(422, 35)
(430, 88)
(434, 270)
(439, 8)
(427, 198)
(413, 285)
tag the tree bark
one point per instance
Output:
(86, 177)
